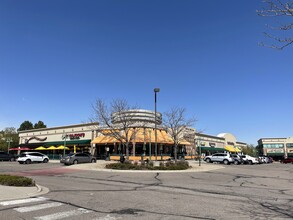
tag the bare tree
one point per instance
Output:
(116, 120)
(283, 10)
(175, 123)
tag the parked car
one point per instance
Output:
(266, 159)
(287, 160)
(4, 156)
(237, 159)
(225, 158)
(75, 158)
(249, 159)
(31, 157)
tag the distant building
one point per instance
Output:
(209, 144)
(277, 148)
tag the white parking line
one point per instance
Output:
(21, 201)
(61, 215)
(38, 207)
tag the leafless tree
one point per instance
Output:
(283, 10)
(116, 120)
(175, 122)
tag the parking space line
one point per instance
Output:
(38, 207)
(61, 215)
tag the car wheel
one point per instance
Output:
(28, 161)
(250, 162)
(45, 160)
(236, 162)
(208, 160)
(93, 161)
(75, 162)
(226, 162)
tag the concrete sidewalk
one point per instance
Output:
(12, 193)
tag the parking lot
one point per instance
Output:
(261, 191)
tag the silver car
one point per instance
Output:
(220, 158)
(75, 158)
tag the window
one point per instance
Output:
(290, 145)
(273, 145)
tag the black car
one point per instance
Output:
(237, 159)
(4, 156)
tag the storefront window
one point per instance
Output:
(273, 146)
(290, 145)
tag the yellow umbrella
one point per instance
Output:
(61, 147)
(41, 148)
(52, 148)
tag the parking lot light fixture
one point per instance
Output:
(156, 150)
(8, 140)
(64, 137)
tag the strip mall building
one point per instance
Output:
(93, 138)
(277, 148)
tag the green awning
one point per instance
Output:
(68, 142)
(212, 149)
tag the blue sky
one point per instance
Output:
(58, 57)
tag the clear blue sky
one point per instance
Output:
(58, 57)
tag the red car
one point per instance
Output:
(287, 160)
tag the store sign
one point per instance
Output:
(212, 144)
(76, 136)
(275, 150)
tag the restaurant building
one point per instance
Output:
(224, 142)
(57, 140)
(145, 138)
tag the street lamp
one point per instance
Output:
(156, 90)
(64, 136)
(8, 140)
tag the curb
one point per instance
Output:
(41, 190)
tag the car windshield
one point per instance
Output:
(70, 154)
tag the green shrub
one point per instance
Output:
(8, 180)
(169, 165)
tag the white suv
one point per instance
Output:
(220, 157)
(249, 159)
(29, 157)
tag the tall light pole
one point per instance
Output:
(156, 90)
(64, 136)
(8, 140)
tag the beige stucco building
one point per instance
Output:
(277, 148)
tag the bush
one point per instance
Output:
(169, 165)
(8, 180)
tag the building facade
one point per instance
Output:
(224, 142)
(277, 148)
(57, 140)
(147, 137)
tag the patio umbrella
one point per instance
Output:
(52, 148)
(41, 148)
(61, 147)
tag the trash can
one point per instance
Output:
(122, 159)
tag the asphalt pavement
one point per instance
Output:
(12, 193)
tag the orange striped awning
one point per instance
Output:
(139, 135)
